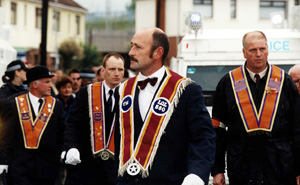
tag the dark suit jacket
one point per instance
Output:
(33, 164)
(186, 147)
(77, 135)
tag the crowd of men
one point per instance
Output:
(93, 127)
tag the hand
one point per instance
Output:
(73, 157)
(3, 168)
(298, 180)
(192, 179)
(219, 179)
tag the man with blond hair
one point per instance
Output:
(256, 116)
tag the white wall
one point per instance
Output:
(145, 14)
(247, 15)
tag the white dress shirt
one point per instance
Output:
(146, 95)
(35, 103)
(261, 74)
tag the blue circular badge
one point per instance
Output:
(126, 103)
(161, 106)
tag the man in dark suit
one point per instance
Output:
(165, 135)
(89, 134)
(256, 116)
(32, 138)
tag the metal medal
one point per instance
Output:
(133, 169)
(104, 155)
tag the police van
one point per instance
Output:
(209, 56)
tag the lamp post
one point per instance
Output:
(194, 22)
(43, 46)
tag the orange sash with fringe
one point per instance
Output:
(97, 120)
(33, 130)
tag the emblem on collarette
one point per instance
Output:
(126, 103)
(274, 84)
(161, 106)
(97, 116)
(240, 85)
(25, 116)
(43, 117)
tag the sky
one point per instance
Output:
(100, 5)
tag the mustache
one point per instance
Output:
(134, 59)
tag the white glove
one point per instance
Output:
(3, 168)
(192, 179)
(62, 155)
(73, 157)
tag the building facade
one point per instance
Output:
(171, 15)
(22, 23)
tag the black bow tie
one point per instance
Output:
(142, 84)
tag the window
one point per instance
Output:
(77, 25)
(267, 7)
(233, 8)
(13, 13)
(38, 18)
(204, 7)
(56, 21)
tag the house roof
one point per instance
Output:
(69, 3)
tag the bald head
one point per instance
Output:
(294, 72)
(149, 49)
(252, 36)
(294, 69)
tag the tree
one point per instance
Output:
(131, 7)
(70, 52)
(91, 57)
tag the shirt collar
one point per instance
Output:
(107, 88)
(261, 74)
(34, 99)
(159, 74)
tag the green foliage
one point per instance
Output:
(80, 56)
(131, 7)
(91, 57)
(69, 52)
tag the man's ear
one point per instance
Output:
(158, 53)
(34, 84)
(244, 53)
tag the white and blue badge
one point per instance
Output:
(126, 103)
(161, 106)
